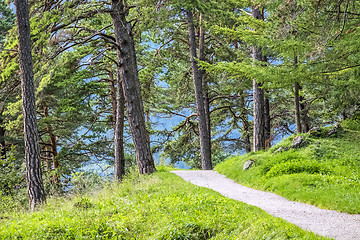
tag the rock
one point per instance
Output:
(314, 131)
(334, 130)
(281, 149)
(297, 142)
(248, 164)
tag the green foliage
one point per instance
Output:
(160, 206)
(12, 174)
(10, 204)
(352, 123)
(325, 172)
(85, 181)
(83, 203)
(7, 20)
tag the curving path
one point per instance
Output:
(323, 222)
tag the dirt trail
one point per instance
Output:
(323, 222)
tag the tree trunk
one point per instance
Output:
(297, 108)
(268, 137)
(206, 97)
(2, 138)
(47, 160)
(245, 124)
(297, 102)
(118, 106)
(54, 152)
(258, 95)
(112, 97)
(197, 78)
(119, 156)
(303, 113)
(32, 154)
(259, 120)
(127, 73)
(56, 175)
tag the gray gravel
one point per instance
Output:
(323, 222)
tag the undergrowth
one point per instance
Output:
(324, 172)
(160, 206)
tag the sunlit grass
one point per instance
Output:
(325, 172)
(160, 206)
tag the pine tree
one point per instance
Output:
(32, 154)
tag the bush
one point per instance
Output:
(352, 123)
(11, 174)
(16, 202)
(82, 182)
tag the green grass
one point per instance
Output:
(159, 206)
(324, 172)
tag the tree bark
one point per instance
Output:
(245, 124)
(32, 154)
(119, 155)
(47, 160)
(54, 152)
(112, 97)
(2, 138)
(127, 73)
(297, 102)
(297, 108)
(205, 150)
(303, 113)
(268, 137)
(206, 97)
(56, 176)
(118, 106)
(258, 98)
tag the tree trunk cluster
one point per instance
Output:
(129, 80)
(201, 96)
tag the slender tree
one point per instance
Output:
(297, 103)
(118, 115)
(199, 95)
(128, 75)
(32, 155)
(258, 94)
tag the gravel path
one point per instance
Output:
(323, 222)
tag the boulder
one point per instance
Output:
(248, 164)
(297, 142)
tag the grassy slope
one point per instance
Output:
(160, 206)
(325, 172)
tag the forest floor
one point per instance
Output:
(327, 223)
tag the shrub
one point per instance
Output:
(81, 182)
(11, 174)
(352, 123)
